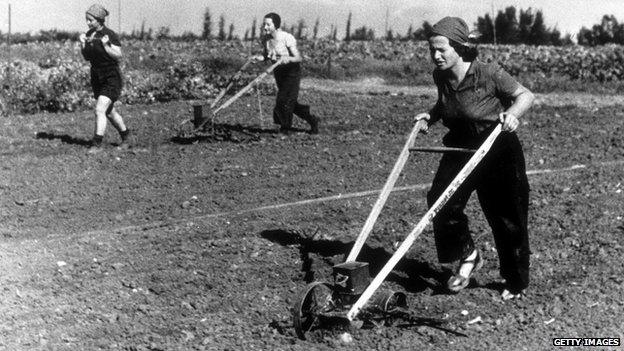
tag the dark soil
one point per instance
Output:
(199, 241)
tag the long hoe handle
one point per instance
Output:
(241, 92)
(230, 83)
(407, 243)
(385, 192)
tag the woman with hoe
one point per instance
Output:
(280, 46)
(101, 47)
(472, 98)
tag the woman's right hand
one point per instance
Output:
(257, 58)
(83, 38)
(424, 118)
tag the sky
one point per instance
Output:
(187, 15)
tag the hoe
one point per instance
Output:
(198, 109)
(346, 301)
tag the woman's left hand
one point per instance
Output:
(105, 40)
(509, 120)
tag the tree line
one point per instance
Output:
(509, 26)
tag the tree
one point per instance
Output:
(348, 34)
(410, 32)
(525, 24)
(316, 28)
(163, 33)
(300, 34)
(506, 26)
(539, 35)
(207, 25)
(485, 26)
(389, 35)
(423, 32)
(221, 35)
(253, 29)
(231, 32)
(363, 33)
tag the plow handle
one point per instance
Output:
(433, 210)
(385, 192)
(230, 83)
(241, 92)
(246, 88)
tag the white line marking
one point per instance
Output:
(422, 186)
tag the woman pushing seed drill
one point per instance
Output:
(472, 98)
(280, 46)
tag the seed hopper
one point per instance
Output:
(353, 297)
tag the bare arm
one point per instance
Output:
(113, 51)
(295, 56)
(522, 101)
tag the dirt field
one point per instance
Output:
(185, 243)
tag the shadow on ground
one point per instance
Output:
(68, 139)
(416, 275)
(236, 133)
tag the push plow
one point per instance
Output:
(353, 298)
(204, 113)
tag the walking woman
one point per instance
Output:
(280, 46)
(100, 46)
(472, 98)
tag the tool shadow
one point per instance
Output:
(413, 275)
(224, 132)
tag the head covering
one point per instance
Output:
(453, 28)
(97, 11)
(277, 21)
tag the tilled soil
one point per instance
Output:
(194, 242)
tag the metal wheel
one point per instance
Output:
(389, 304)
(314, 300)
(389, 301)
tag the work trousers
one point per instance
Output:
(502, 188)
(287, 78)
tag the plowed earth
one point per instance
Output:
(195, 242)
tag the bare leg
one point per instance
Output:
(115, 118)
(101, 107)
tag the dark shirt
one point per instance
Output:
(94, 49)
(474, 104)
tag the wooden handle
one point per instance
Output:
(428, 217)
(230, 83)
(241, 92)
(442, 149)
(383, 196)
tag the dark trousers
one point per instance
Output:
(287, 78)
(503, 190)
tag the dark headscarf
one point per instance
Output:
(453, 28)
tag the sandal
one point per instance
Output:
(458, 282)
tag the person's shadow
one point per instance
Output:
(68, 139)
(417, 275)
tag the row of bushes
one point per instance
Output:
(54, 76)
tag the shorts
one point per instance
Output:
(106, 81)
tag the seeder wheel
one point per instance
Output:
(314, 300)
(389, 303)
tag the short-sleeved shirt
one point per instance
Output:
(279, 45)
(474, 105)
(94, 49)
